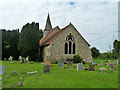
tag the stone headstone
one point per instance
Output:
(20, 58)
(8, 75)
(69, 63)
(60, 63)
(94, 63)
(101, 62)
(2, 69)
(63, 65)
(79, 67)
(47, 62)
(112, 62)
(112, 65)
(91, 67)
(5, 59)
(106, 61)
(23, 59)
(46, 68)
(118, 61)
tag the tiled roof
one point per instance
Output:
(42, 43)
(48, 36)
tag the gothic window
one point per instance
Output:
(70, 44)
(66, 48)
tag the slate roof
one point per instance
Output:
(54, 33)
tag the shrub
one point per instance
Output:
(77, 59)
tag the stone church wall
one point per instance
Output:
(56, 50)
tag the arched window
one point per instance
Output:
(70, 45)
(66, 48)
(73, 48)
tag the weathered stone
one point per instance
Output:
(46, 68)
(79, 67)
(60, 63)
(2, 69)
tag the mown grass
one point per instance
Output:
(59, 77)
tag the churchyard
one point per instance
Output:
(27, 75)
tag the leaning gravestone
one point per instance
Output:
(2, 69)
(79, 67)
(46, 68)
(60, 63)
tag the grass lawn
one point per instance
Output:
(59, 77)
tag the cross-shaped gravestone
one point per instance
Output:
(79, 67)
(46, 68)
(2, 69)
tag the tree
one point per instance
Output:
(77, 59)
(9, 43)
(95, 52)
(29, 40)
(116, 49)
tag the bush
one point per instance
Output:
(77, 59)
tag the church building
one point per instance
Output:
(63, 43)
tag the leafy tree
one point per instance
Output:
(9, 43)
(116, 50)
(29, 40)
(77, 59)
(95, 52)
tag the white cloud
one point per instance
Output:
(87, 17)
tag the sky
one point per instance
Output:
(96, 21)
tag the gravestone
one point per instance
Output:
(112, 65)
(112, 62)
(106, 61)
(63, 65)
(46, 68)
(5, 59)
(23, 59)
(94, 63)
(60, 63)
(118, 61)
(91, 67)
(102, 63)
(2, 69)
(69, 63)
(79, 67)
(8, 75)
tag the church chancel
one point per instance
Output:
(63, 43)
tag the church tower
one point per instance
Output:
(48, 25)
